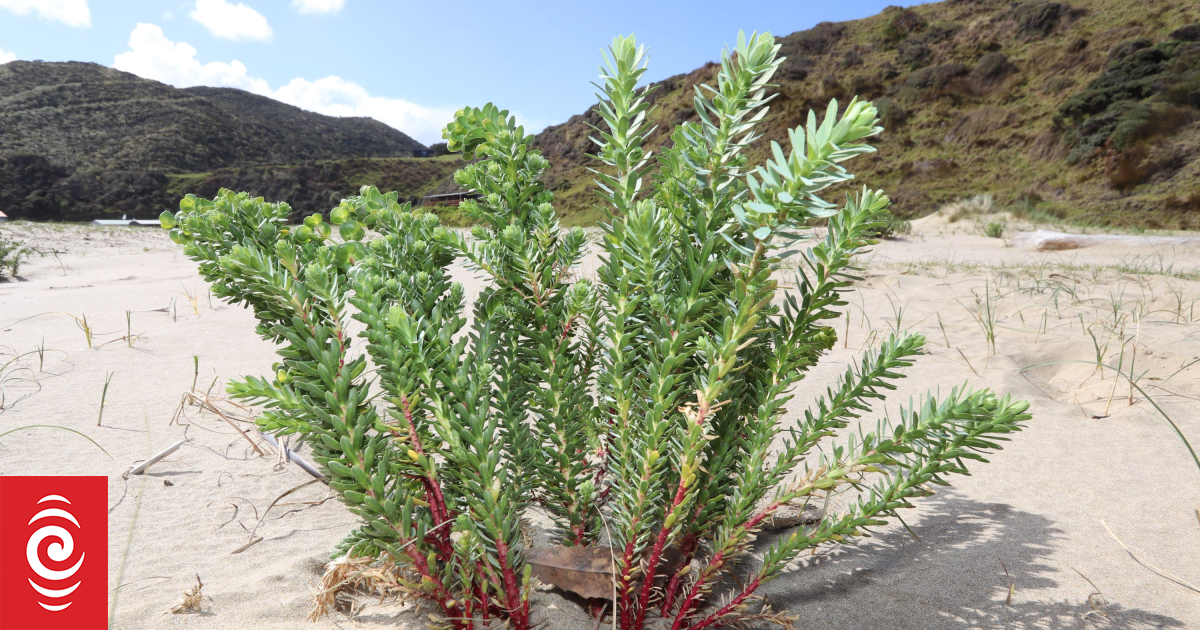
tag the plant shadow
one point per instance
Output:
(952, 578)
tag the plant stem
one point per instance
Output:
(104, 396)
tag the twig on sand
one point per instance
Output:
(141, 468)
(293, 457)
(1153, 569)
(960, 353)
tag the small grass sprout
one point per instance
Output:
(104, 397)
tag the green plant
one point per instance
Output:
(985, 313)
(637, 409)
(83, 325)
(995, 229)
(12, 253)
(104, 397)
(894, 227)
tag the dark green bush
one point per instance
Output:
(936, 76)
(1147, 90)
(1038, 19)
(992, 67)
(817, 40)
(1189, 33)
(903, 23)
(891, 114)
(914, 54)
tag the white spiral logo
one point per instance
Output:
(57, 551)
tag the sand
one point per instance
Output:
(1020, 544)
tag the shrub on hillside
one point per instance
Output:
(1038, 18)
(936, 76)
(1189, 33)
(992, 67)
(818, 40)
(902, 23)
(914, 54)
(1147, 90)
(891, 114)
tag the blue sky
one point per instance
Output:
(409, 64)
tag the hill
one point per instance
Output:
(80, 141)
(1086, 111)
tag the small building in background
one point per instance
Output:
(3, 217)
(424, 153)
(124, 221)
(448, 199)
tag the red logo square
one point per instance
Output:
(53, 553)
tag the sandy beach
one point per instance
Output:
(1022, 543)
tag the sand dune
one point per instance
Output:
(1020, 544)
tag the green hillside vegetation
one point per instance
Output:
(1085, 112)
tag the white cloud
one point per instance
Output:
(230, 21)
(6, 57)
(336, 96)
(311, 7)
(69, 12)
(153, 56)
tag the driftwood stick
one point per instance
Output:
(141, 468)
(1046, 240)
(295, 459)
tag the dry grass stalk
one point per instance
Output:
(361, 573)
(192, 599)
(233, 412)
(973, 206)
(303, 505)
(1153, 569)
(1095, 599)
(1012, 586)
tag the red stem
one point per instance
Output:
(687, 549)
(517, 609)
(440, 594)
(716, 617)
(482, 593)
(661, 540)
(433, 489)
(655, 556)
(694, 592)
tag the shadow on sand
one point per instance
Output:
(951, 579)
